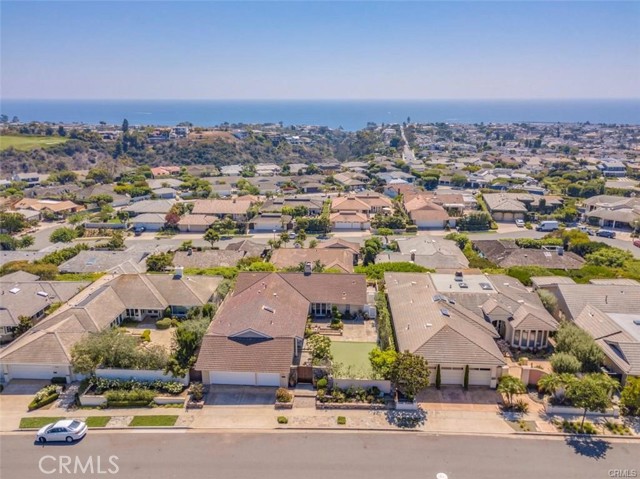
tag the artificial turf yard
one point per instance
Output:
(25, 143)
(353, 354)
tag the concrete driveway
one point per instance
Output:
(240, 396)
(27, 387)
(453, 398)
(15, 399)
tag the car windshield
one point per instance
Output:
(74, 425)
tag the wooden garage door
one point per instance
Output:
(479, 377)
(452, 375)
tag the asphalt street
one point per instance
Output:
(315, 455)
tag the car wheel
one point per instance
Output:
(42, 440)
(69, 439)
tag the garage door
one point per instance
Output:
(479, 377)
(232, 377)
(29, 371)
(267, 379)
(245, 379)
(452, 376)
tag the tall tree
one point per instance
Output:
(410, 374)
(125, 125)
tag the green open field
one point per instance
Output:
(354, 355)
(25, 143)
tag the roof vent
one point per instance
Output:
(428, 325)
(14, 290)
(268, 309)
(43, 294)
(445, 312)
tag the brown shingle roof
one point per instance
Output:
(291, 257)
(219, 353)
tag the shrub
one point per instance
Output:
(163, 323)
(135, 395)
(321, 383)
(617, 429)
(520, 405)
(342, 420)
(146, 335)
(283, 395)
(197, 391)
(46, 395)
(411, 229)
(565, 363)
(574, 427)
(282, 420)
(630, 397)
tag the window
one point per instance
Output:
(516, 337)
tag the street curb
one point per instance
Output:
(119, 428)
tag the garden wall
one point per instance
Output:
(551, 409)
(382, 384)
(106, 226)
(139, 375)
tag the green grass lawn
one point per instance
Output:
(98, 421)
(354, 355)
(37, 422)
(144, 421)
(25, 143)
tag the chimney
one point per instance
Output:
(178, 272)
(307, 268)
(189, 251)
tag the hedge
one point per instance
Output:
(35, 404)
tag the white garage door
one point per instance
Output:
(244, 379)
(231, 377)
(29, 371)
(479, 377)
(452, 376)
(267, 379)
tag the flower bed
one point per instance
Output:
(101, 385)
(351, 398)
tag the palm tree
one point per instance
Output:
(556, 385)
(511, 386)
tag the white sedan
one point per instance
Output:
(68, 430)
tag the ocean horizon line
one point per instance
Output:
(581, 99)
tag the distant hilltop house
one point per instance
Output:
(31, 179)
(59, 208)
(165, 171)
(612, 211)
(612, 167)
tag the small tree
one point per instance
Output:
(438, 377)
(385, 232)
(630, 397)
(313, 243)
(556, 385)
(589, 394)
(159, 262)
(211, 236)
(571, 339)
(466, 377)
(511, 386)
(410, 374)
(284, 238)
(565, 363)
(320, 349)
(24, 324)
(63, 235)
(382, 361)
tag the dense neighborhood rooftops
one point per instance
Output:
(207, 258)
(505, 253)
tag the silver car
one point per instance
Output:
(68, 430)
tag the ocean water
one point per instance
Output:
(350, 115)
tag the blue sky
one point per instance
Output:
(318, 50)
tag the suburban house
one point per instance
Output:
(88, 192)
(148, 221)
(342, 259)
(158, 207)
(349, 203)
(165, 193)
(275, 205)
(24, 295)
(61, 208)
(190, 223)
(442, 331)
(350, 180)
(257, 334)
(349, 220)
(378, 204)
(165, 171)
(517, 313)
(608, 311)
(44, 351)
(428, 251)
(612, 211)
(250, 248)
(236, 208)
(31, 179)
(505, 206)
(612, 167)
(211, 258)
(427, 214)
(269, 222)
(339, 243)
(506, 253)
(353, 212)
(130, 261)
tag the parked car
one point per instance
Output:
(548, 226)
(520, 223)
(292, 235)
(587, 230)
(138, 231)
(606, 233)
(66, 430)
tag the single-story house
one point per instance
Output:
(191, 223)
(270, 222)
(132, 261)
(148, 221)
(160, 207)
(505, 253)
(44, 351)
(257, 335)
(349, 220)
(236, 208)
(342, 259)
(207, 258)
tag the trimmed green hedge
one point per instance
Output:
(127, 404)
(35, 404)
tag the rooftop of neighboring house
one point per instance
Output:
(341, 259)
(339, 243)
(506, 253)
(97, 261)
(510, 202)
(442, 331)
(150, 206)
(207, 258)
(251, 248)
(608, 298)
(197, 220)
(9, 256)
(51, 205)
(235, 206)
(349, 203)
(434, 246)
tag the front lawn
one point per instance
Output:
(37, 422)
(98, 421)
(147, 421)
(353, 357)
